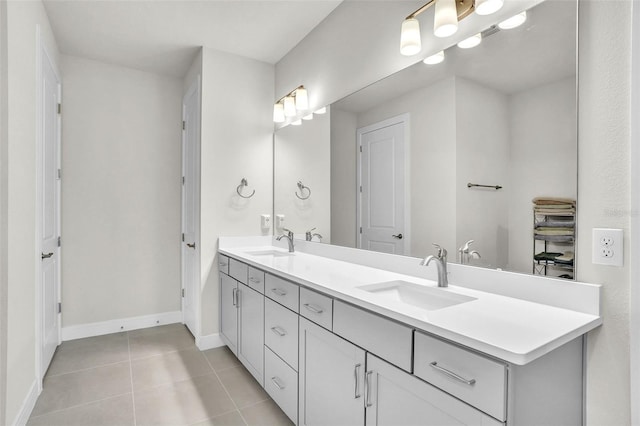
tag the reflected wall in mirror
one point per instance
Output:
(301, 179)
(503, 113)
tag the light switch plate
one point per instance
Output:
(608, 247)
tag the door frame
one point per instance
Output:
(404, 119)
(41, 53)
(195, 87)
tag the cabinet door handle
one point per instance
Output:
(453, 375)
(279, 331)
(356, 373)
(276, 382)
(367, 389)
(234, 294)
(313, 308)
(279, 291)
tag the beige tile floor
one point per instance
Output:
(154, 376)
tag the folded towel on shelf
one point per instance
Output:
(544, 230)
(553, 200)
(550, 256)
(556, 223)
(554, 206)
(555, 238)
(566, 257)
(555, 212)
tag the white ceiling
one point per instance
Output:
(163, 36)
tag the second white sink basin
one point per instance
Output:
(427, 298)
(272, 253)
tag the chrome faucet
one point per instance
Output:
(309, 236)
(441, 263)
(466, 254)
(289, 237)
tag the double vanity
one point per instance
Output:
(339, 336)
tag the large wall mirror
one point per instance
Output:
(396, 164)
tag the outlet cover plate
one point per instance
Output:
(607, 247)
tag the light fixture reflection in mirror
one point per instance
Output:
(514, 21)
(470, 42)
(434, 59)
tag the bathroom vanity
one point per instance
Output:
(345, 337)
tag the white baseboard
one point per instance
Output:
(125, 324)
(209, 341)
(27, 406)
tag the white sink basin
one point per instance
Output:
(427, 298)
(266, 253)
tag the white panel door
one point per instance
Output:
(50, 225)
(190, 209)
(331, 372)
(382, 197)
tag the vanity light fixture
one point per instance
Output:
(514, 21)
(290, 104)
(434, 59)
(470, 42)
(447, 15)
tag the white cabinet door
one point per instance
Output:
(394, 397)
(331, 372)
(251, 330)
(229, 312)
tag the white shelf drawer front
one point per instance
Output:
(316, 307)
(477, 380)
(387, 339)
(238, 270)
(256, 279)
(281, 332)
(223, 264)
(281, 383)
(284, 292)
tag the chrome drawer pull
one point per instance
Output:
(313, 308)
(453, 375)
(279, 291)
(277, 383)
(367, 389)
(356, 373)
(254, 280)
(222, 265)
(279, 331)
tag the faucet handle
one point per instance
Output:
(288, 231)
(442, 252)
(467, 245)
(312, 229)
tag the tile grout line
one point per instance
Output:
(133, 397)
(71, 407)
(226, 391)
(87, 369)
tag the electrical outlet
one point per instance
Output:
(279, 221)
(607, 247)
(265, 221)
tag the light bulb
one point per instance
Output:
(296, 123)
(514, 21)
(289, 106)
(278, 113)
(321, 110)
(302, 99)
(470, 42)
(410, 40)
(445, 22)
(487, 7)
(308, 117)
(435, 58)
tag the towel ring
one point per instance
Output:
(244, 183)
(302, 188)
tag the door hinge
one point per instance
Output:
(59, 242)
(360, 148)
(183, 180)
(183, 292)
(184, 124)
(59, 173)
(361, 229)
(59, 307)
(183, 237)
(59, 108)
(360, 188)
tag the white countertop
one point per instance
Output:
(514, 330)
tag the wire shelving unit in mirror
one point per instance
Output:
(554, 236)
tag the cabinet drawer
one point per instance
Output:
(281, 332)
(381, 336)
(477, 380)
(238, 270)
(223, 263)
(256, 279)
(282, 291)
(281, 383)
(316, 307)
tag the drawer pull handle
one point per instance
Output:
(222, 264)
(276, 382)
(254, 280)
(356, 373)
(453, 375)
(313, 308)
(279, 291)
(367, 388)
(279, 331)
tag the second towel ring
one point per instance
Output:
(244, 183)
(302, 188)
